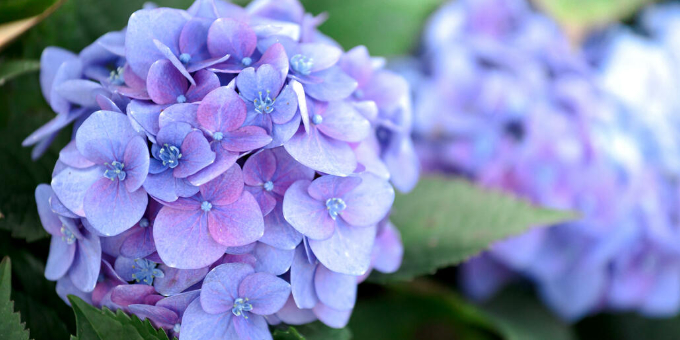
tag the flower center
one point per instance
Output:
(116, 76)
(144, 222)
(241, 305)
(317, 119)
(335, 206)
(246, 61)
(218, 136)
(181, 99)
(264, 105)
(358, 94)
(66, 235)
(269, 186)
(302, 64)
(114, 170)
(146, 271)
(185, 58)
(170, 155)
(176, 328)
(206, 206)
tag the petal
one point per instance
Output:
(266, 80)
(259, 168)
(272, 260)
(357, 64)
(245, 139)
(59, 259)
(276, 56)
(185, 113)
(159, 316)
(124, 267)
(70, 156)
(81, 92)
(265, 200)
(59, 208)
(194, 37)
(388, 249)
(86, 262)
(196, 155)
(335, 290)
(336, 85)
(125, 295)
(326, 187)
(65, 288)
(165, 83)
(266, 292)
(197, 324)
(163, 186)
(321, 153)
(103, 136)
(228, 36)
(288, 171)
(281, 133)
(111, 209)
(331, 317)
(302, 279)
(175, 281)
(223, 161)
(206, 81)
(348, 251)
(180, 234)
(278, 232)
(225, 189)
(285, 106)
(221, 110)
(342, 122)
(50, 60)
(221, 287)
(293, 315)
(254, 327)
(306, 214)
(402, 161)
(369, 202)
(324, 55)
(146, 115)
(138, 244)
(71, 185)
(136, 160)
(50, 221)
(179, 303)
(173, 135)
(238, 223)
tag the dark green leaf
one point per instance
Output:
(11, 10)
(11, 327)
(14, 68)
(93, 324)
(445, 221)
(288, 334)
(386, 27)
(628, 326)
(519, 316)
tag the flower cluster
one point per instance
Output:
(230, 168)
(506, 102)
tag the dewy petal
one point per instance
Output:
(278, 232)
(225, 189)
(254, 327)
(59, 259)
(71, 185)
(196, 155)
(111, 209)
(348, 251)
(228, 36)
(180, 234)
(272, 260)
(206, 81)
(221, 287)
(369, 202)
(342, 122)
(302, 279)
(103, 136)
(144, 26)
(331, 317)
(245, 139)
(86, 263)
(221, 110)
(165, 83)
(335, 290)
(238, 223)
(136, 160)
(197, 324)
(324, 55)
(266, 292)
(327, 187)
(175, 281)
(306, 214)
(321, 153)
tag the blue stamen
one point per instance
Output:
(317, 119)
(67, 236)
(302, 64)
(146, 271)
(218, 136)
(185, 58)
(246, 61)
(358, 94)
(176, 328)
(115, 170)
(206, 206)
(116, 76)
(144, 222)
(241, 305)
(170, 156)
(269, 185)
(181, 99)
(335, 206)
(265, 105)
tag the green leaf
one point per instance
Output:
(445, 221)
(11, 10)
(93, 323)
(312, 331)
(518, 315)
(628, 326)
(386, 27)
(11, 327)
(14, 68)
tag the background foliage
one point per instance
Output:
(443, 222)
